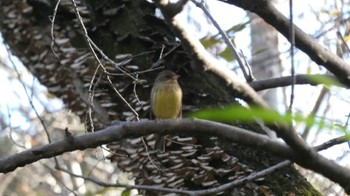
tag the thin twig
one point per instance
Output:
(116, 65)
(161, 56)
(27, 94)
(227, 40)
(52, 28)
(59, 180)
(128, 186)
(100, 66)
(321, 96)
(268, 170)
(292, 43)
(11, 130)
(343, 41)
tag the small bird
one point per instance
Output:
(166, 101)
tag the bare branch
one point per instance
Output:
(138, 129)
(332, 142)
(52, 28)
(115, 133)
(260, 85)
(210, 191)
(100, 66)
(27, 94)
(241, 63)
(292, 43)
(205, 63)
(315, 109)
(268, 170)
(304, 42)
(128, 186)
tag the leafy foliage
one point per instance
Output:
(238, 113)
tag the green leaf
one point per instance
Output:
(227, 54)
(208, 42)
(126, 192)
(236, 28)
(260, 51)
(324, 80)
(238, 113)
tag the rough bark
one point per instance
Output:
(131, 27)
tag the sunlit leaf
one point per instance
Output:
(50, 95)
(324, 11)
(324, 80)
(237, 113)
(346, 38)
(260, 51)
(126, 193)
(237, 28)
(210, 41)
(335, 13)
(227, 54)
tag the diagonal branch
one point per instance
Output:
(304, 42)
(204, 63)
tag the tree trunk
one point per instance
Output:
(265, 55)
(132, 29)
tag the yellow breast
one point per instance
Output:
(166, 100)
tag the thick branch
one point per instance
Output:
(204, 62)
(304, 42)
(136, 129)
(259, 85)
